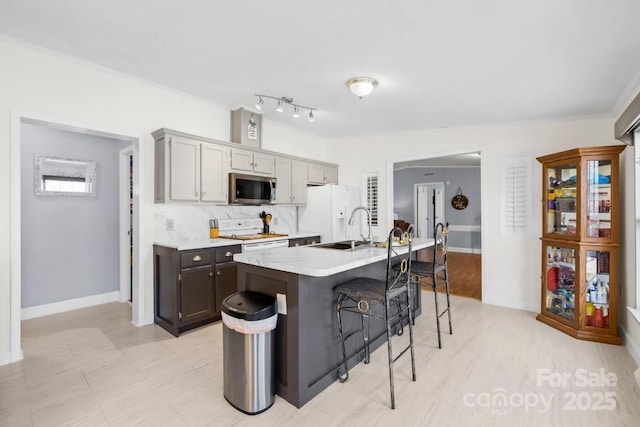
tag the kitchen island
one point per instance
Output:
(307, 341)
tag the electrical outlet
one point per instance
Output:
(169, 225)
(282, 303)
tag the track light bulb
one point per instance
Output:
(311, 116)
(259, 103)
(279, 109)
(295, 112)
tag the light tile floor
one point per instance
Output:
(92, 367)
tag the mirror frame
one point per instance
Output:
(75, 168)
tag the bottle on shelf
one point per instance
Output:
(598, 319)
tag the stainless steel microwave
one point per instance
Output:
(251, 189)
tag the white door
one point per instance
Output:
(316, 174)
(424, 207)
(241, 160)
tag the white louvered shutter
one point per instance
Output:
(516, 196)
(372, 198)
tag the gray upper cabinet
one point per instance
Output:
(253, 162)
(291, 187)
(196, 169)
(190, 170)
(322, 174)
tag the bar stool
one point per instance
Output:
(373, 297)
(437, 272)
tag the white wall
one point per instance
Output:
(511, 272)
(48, 85)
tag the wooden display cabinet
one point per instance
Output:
(580, 242)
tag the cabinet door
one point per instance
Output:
(298, 183)
(330, 175)
(241, 160)
(600, 290)
(263, 163)
(213, 188)
(196, 294)
(226, 282)
(312, 240)
(560, 281)
(316, 174)
(185, 169)
(283, 184)
(297, 242)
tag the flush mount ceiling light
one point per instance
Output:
(361, 86)
(282, 101)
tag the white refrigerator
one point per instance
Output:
(328, 210)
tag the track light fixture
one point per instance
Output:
(282, 101)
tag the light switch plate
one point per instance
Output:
(282, 303)
(169, 225)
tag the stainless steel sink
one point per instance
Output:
(342, 245)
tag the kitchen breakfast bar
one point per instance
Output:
(307, 340)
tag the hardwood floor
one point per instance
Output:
(465, 273)
(92, 367)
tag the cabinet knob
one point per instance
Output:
(211, 274)
(197, 258)
(313, 242)
(229, 253)
(218, 273)
(297, 244)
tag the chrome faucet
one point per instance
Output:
(369, 238)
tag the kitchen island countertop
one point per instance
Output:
(320, 262)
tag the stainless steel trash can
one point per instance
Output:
(248, 338)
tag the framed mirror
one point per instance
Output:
(62, 176)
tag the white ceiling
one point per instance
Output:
(458, 160)
(439, 63)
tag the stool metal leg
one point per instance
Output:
(446, 283)
(437, 310)
(413, 358)
(342, 376)
(393, 399)
(366, 329)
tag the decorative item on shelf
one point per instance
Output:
(361, 86)
(285, 100)
(459, 201)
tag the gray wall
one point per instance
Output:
(467, 178)
(69, 244)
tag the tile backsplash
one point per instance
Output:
(191, 221)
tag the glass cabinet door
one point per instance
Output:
(598, 198)
(562, 193)
(560, 277)
(597, 289)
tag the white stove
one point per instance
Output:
(249, 232)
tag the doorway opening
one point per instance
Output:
(415, 182)
(22, 175)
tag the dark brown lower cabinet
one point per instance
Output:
(189, 286)
(303, 241)
(196, 294)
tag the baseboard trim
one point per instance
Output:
(68, 305)
(505, 302)
(465, 250)
(632, 347)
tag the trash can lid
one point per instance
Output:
(250, 305)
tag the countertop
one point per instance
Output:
(321, 262)
(184, 245)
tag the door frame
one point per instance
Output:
(438, 184)
(17, 119)
(124, 223)
(483, 190)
